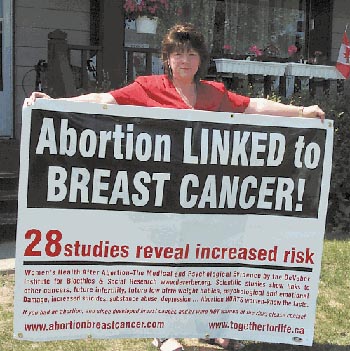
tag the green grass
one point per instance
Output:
(332, 329)
(333, 313)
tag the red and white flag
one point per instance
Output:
(343, 62)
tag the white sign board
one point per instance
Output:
(149, 222)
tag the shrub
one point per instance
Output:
(337, 109)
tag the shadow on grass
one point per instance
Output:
(276, 347)
(340, 236)
(286, 347)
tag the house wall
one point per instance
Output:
(34, 20)
(341, 17)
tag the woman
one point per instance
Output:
(185, 59)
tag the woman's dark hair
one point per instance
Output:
(181, 37)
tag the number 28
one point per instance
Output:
(52, 243)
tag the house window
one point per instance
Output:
(273, 28)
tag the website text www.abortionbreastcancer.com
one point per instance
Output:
(113, 325)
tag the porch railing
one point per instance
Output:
(87, 53)
(64, 77)
(129, 53)
(287, 77)
(68, 71)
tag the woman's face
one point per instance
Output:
(184, 64)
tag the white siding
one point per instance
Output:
(34, 20)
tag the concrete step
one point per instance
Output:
(8, 226)
(9, 168)
(8, 218)
(8, 205)
(8, 201)
(9, 155)
(8, 181)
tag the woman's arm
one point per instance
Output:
(101, 98)
(268, 107)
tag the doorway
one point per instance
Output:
(6, 69)
(320, 29)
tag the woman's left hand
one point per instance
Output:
(313, 111)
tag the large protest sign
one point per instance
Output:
(147, 222)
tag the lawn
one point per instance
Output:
(332, 329)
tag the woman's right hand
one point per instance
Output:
(35, 95)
